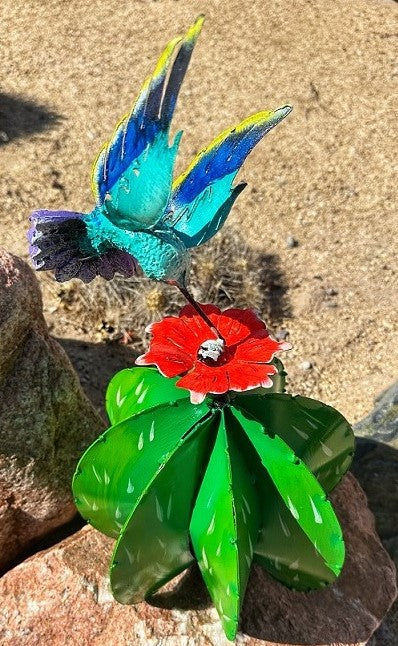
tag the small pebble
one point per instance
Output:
(4, 136)
(331, 291)
(306, 365)
(291, 242)
(281, 335)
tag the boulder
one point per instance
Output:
(46, 421)
(61, 596)
(376, 467)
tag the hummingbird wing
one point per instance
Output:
(203, 196)
(132, 174)
(58, 241)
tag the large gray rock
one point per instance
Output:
(46, 421)
(376, 467)
(61, 596)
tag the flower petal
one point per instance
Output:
(246, 376)
(260, 348)
(236, 325)
(206, 379)
(169, 363)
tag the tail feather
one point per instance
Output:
(58, 241)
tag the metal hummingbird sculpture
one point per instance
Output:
(207, 459)
(141, 215)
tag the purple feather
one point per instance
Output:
(58, 241)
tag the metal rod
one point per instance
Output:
(199, 310)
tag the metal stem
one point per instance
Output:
(199, 310)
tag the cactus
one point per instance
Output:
(227, 482)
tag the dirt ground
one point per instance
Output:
(71, 68)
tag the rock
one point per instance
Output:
(306, 365)
(46, 421)
(382, 424)
(376, 467)
(291, 242)
(61, 596)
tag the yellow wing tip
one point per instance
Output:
(262, 117)
(195, 29)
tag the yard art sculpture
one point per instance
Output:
(207, 459)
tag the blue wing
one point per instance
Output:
(203, 196)
(132, 174)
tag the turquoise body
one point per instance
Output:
(160, 253)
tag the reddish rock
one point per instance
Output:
(45, 419)
(61, 597)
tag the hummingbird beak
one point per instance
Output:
(184, 291)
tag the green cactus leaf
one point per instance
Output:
(284, 550)
(115, 470)
(300, 491)
(133, 390)
(318, 434)
(153, 545)
(224, 528)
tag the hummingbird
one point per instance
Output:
(141, 215)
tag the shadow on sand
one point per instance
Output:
(20, 117)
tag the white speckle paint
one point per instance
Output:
(292, 508)
(169, 506)
(277, 564)
(159, 510)
(228, 590)
(129, 555)
(96, 474)
(94, 506)
(139, 388)
(246, 504)
(218, 550)
(118, 513)
(161, 543)
(243, 515)
(152, 432)
(302, 434)
(119, 399)
(204, 558)
(285, 528)
(130, 487)
(142, 396)
(317, 515)
(106, 478)
(294, 565)
(311, 423)
(212, 525)
(250, 546)
(209, 501)
(141, 441)
(326, 449)
(248, 560)
(296, 578)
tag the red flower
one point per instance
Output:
(186, 346)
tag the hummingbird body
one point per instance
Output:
(141, 215)
(159, 252)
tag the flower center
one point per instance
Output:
(211, 349)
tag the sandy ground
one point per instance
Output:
(71, 68)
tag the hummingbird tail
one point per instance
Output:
(58, 241)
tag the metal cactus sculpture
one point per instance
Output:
(207, 458)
